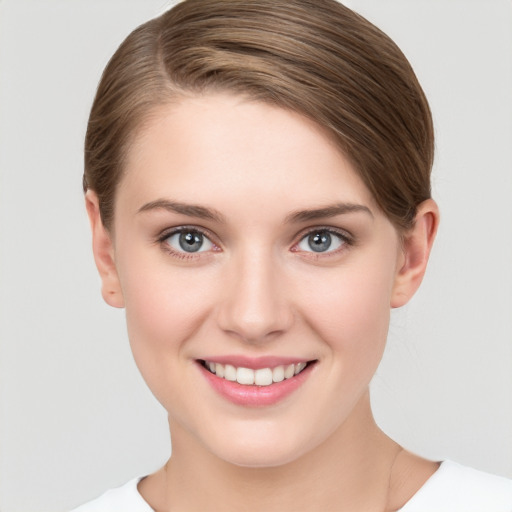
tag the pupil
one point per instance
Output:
(191, 242)
(320, 242)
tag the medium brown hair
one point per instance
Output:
(315, 57)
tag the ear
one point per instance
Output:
(103, 250)
(417, 243)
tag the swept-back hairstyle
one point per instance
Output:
(314, 57)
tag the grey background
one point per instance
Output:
(76, 418)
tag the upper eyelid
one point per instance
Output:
(167, 232)
(343, 233)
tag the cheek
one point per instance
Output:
(165, 307)
(157, 310)
(351, 311)
(161, 298)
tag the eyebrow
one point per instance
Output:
(202, 212)
(191, 210)
(327, 211)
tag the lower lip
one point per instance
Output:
(256, 396)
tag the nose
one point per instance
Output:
(255, 306)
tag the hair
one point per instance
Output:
(314, 57)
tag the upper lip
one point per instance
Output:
(255, 363)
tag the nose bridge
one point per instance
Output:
(255, 304)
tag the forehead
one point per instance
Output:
(219, 147)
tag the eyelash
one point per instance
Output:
(185, 229)
(346, 239)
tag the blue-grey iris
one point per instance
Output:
(191, 241)
(320, 241)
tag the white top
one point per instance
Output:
(452, 488)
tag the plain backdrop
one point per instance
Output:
(75, 416)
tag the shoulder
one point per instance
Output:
(457, 488)
(125, 498)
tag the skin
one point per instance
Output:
(259, 289)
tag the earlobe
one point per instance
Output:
(416, 248)
(103, 251)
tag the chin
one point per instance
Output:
(257, 451)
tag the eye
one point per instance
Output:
(188, 240)
(321, 240)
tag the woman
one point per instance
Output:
(257, 178)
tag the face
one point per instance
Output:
(246, 245)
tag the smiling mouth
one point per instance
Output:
(259, 377)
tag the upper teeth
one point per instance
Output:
(261, 377)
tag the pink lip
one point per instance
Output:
(255, 396)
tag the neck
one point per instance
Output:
(350, 471)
